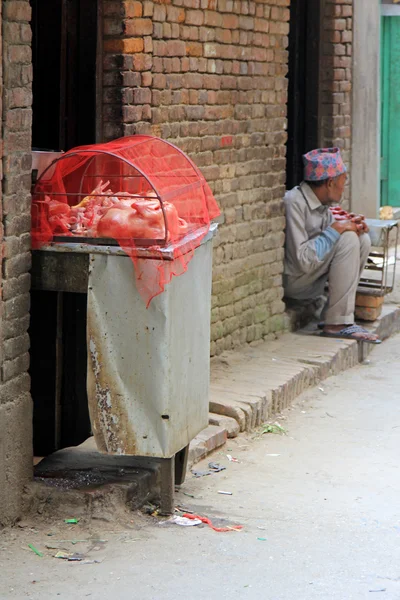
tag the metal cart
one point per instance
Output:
(147, 362)
(378, 279)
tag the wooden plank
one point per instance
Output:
(99, 74)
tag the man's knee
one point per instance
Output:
(349, 240)
(365, 243)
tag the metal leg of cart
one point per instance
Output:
(167, 503)
(181, 460)
(173, 472)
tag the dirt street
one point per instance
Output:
(319, 508)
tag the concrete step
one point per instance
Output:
(207, 441)
(250, 385)
(230, 425)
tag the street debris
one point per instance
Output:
(71, 556)
(183, 509)
(150, 509)
(273, 454)
(262, 539)
(231, 459)
(200, 473)
(71, 521)
(182, 521)
(273, 428)
(209, 523)
(216, 467)
(35, 550)
(381, 590)
(225, 493)
(55, 547)
(213, 468)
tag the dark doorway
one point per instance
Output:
(65, 59)
(303, 75)
(64, 55)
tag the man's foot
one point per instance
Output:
(350, 332)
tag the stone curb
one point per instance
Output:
(254, 383)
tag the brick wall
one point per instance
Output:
(209, 75)
(15, 402)
(336, 78)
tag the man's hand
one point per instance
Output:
(343, 216)
(360, 220)
(342, 226)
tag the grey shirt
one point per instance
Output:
(309, 235)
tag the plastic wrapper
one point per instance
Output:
(136, 191)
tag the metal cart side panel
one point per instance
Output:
(148, 369)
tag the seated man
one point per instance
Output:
(319, 249)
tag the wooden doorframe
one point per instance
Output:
(99, 73)
(365, 142)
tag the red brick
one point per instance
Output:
(160, 13)
(192, 80)
(142, 96)
(133, 9)
(346, 37)
(261, 25)
(131, 113)
(230, 21)
(194, 49)
(17, 10)
(19, 54)
(175, 14)
(175, 48)
(142, 62)
(113, 8)
(148, 44)
(148, 8)
(213, 18)
(185, 64)
(194, 17)
(347, 11)
(124, 46)
(139, 27)
(223, 35)
(113, 27)
(159, 81)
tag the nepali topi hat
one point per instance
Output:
(323, 163)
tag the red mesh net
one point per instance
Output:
(139, 192)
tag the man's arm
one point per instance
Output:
(307, 253)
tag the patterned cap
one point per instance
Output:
(323, 163)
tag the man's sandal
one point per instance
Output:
(350, 333)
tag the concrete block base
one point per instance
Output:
(15, 456)
(83, 483)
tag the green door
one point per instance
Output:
(390, 73)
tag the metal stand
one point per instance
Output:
(378, 261)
